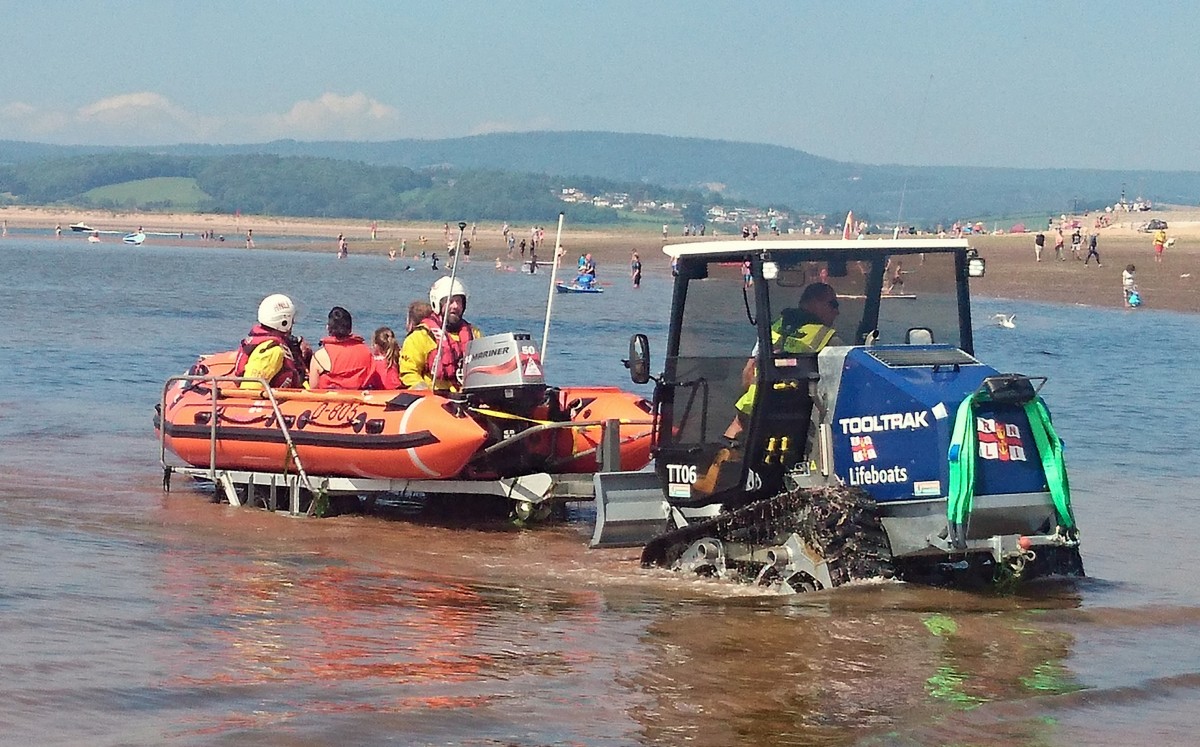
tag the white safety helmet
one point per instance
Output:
(443, 289)
(277, 312)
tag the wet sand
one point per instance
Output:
(1173, 284)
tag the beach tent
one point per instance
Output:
(1018, 228)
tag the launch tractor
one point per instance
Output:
(802, 454)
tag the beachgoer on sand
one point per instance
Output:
(1160, 242)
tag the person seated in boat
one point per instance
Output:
(418, 311)
(387, 349)
(420, 365)
(270, 351)
(586, 281)
(343, 361)
(386, 359)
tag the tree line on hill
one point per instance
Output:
(685, 170)
(301, 186)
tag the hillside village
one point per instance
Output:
(716, 214)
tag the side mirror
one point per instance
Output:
(639, 359)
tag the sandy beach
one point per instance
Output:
(1012, 272)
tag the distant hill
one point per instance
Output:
(763, 174)
(766, 174)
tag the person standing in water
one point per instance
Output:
(1129, 287)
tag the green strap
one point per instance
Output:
(963, 445)
(963, 454)
(1050, 448)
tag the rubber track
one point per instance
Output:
(842, 524)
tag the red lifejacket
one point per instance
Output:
(386, 376)
(351, 363)
(290, 376)
(453, 351)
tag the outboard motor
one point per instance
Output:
(504, 372)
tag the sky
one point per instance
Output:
(1015, 83)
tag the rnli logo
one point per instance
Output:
(999, 441)
(863, 449)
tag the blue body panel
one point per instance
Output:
(892, 426)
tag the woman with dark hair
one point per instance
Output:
(343, 361)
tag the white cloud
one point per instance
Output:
(140, 118)
(491, 126)
(331, 116)
(119, 107)
(148, 118)
(21, 121)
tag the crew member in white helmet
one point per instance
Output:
(271, 351)
(418, 356)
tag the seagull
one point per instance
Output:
(1005, 321)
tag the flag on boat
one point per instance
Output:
(848, 228)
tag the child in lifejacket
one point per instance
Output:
(386, 359)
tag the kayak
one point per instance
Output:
(576, 288)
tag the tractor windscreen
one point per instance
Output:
(905, 299)
(716, 340)
(920, 300)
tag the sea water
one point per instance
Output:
(135, 616)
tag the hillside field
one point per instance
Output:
(179, 193)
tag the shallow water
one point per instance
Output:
(133, 616)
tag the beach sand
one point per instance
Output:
(1173, 284)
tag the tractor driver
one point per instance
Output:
(805, 329)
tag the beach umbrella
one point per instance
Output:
(1018, 228)
(848, 227)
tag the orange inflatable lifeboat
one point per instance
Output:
(576, 450)
(506, 422)
(377, 434)
(533, 427)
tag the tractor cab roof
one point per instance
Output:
(849, 249)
